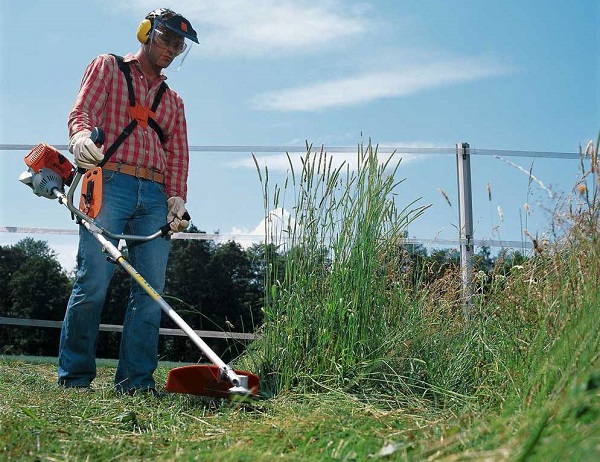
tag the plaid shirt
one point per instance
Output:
(103, 102)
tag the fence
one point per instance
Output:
(465, 236)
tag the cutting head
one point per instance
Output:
(208, 380)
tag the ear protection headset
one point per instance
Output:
(145, 27)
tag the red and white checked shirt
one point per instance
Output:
(103, 102)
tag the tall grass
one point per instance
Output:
(342, 314)
(541, 323)
(333, 311)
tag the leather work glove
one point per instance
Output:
(175, 212)
(87, 154)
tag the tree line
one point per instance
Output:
(216, 287)
(212, 286)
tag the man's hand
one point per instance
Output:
(87, 154)
(175, 212)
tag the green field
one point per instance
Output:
(361, 358)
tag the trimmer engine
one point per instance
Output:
(47, 170)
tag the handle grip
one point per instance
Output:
(98, 136)
(165, 229)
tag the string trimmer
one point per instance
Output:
(47, 175)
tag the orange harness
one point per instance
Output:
(142, 114)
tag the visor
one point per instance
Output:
(172, 39)
(180, 26)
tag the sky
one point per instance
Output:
(273, 75)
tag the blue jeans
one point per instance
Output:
(129, 206)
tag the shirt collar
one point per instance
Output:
(130, 58)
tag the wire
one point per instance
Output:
(344, 149)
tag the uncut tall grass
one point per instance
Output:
(543, 335)
(333, 312)
(345, 312)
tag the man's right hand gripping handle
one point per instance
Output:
(87, 153)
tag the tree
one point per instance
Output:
(236, 290)
(483, 260)
(212, 287)
(10, 261)
(187, 290)
(29, 247)
(188, 273)
(34, 286)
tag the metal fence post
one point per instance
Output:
(463, 171)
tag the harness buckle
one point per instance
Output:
(141, 114)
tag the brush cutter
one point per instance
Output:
(47, 175)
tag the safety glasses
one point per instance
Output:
(170, 40)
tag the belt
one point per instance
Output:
(138, 172)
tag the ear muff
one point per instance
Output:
(143, 30)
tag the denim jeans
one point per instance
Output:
(129, 206)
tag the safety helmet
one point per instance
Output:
(165, 18)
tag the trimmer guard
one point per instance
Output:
(205, 380)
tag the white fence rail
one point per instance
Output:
(344, 149)
(115, 328)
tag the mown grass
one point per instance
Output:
(360, 361)
(41, 421)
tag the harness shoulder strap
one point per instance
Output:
(126, 70)
(159, 93)
(124, 67)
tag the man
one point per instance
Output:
(144, 187)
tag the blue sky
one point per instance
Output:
(500, 75)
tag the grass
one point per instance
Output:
(42, 422)
(341, 260)
(361, 362)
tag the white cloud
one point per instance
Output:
(261, 27)
(67, 255)
(367, 87)
(276, 225)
